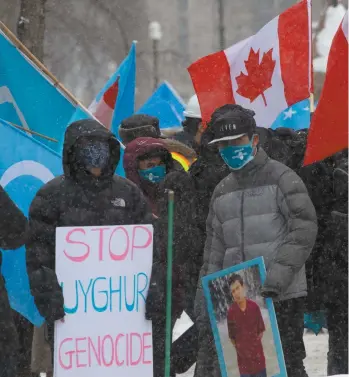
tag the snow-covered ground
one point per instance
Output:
(316, 346)
(316, 361)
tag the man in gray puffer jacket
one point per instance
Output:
(261, 209)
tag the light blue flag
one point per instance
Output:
(165, 104)
(125, 101)
(25, 165)
(296, 116)
(29, 99)
(124, 79)
(120, 168)
(78, 114)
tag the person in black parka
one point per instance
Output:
(207, 171)
(186, 248)
(13, 231)
(327, 267)
(87, 194)
(332, 274)
(150, 155)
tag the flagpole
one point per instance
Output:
(168, 336)
(40, 66)
(312, 103)
(31, 132)
(311, 97)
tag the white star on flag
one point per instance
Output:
(289, 113)
(306, 108)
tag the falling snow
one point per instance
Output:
(334, 16)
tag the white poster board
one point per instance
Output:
(105, 274)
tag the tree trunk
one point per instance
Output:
(31, 26)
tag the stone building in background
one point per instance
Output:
(86, 39)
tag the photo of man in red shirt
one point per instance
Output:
(246, 328)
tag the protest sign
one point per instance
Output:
(243, 322)
(104, 272)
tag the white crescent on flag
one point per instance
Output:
(26, 167)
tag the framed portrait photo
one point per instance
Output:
(243, 322)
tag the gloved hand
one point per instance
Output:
(155, 303)
(47, 293)
(269, 293)
(50, 305)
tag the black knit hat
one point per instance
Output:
(139, 125)
(230, 122)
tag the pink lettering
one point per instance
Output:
(106, 351)
(100, 244)
(91, 347)
(78, 351)
(145, 347)
(108, 337)
(68, 240)
(127, 353)
(148, 242)
(132, 348)
(69, 353)
(118, 363)
(124, 254)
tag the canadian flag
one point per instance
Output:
(328, 131)
(267, 72)
(104, 104)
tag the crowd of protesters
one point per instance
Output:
(245, 195)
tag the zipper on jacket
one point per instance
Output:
(242, 247)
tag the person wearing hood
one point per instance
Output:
(13, 233)
(149, 164)
(261, 209)
(87, 194)
(141, 125)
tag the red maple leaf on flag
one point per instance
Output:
(259, 75)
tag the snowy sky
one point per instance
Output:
(334, 17)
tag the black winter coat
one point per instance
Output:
(318, 180)
(13, 230)
(207, 171)
(331, 279)
(76, 199)
(13, 224)
(187, 248)
(332, 282)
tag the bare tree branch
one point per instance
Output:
(31, 26)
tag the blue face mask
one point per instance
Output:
(94, 155)
(236, 157)
(155, 174)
